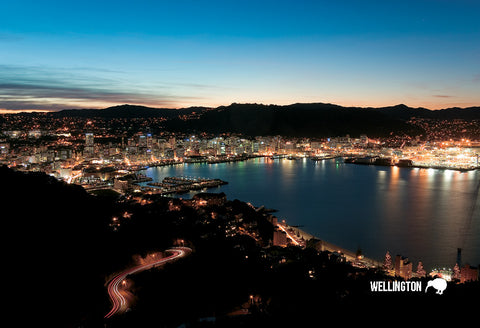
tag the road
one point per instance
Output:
(326, 246)
(292, 238)
(116, 293)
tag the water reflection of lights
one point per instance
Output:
(395, 172)
(381, 175)
(448, 175)
(304, 163)
(430, 174)
(471, 173)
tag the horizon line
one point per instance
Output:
(19, 111)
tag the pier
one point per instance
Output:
(179, 185)
(388, 161)
(324, 158)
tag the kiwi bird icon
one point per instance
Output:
(439, 284)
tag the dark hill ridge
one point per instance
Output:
(300, 119)
(128, 111)
(404, 112)
(308, 120)
(400, 111)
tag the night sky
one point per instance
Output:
(94, 54)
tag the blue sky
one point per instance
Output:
(94, 54)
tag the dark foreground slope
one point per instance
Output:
(52, 251)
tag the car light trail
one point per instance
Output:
(288, 235)
(119, 302)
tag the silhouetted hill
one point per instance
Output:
(309, 120)
(404, 112)
(127, 111)
(470, 113)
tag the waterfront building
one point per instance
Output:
(169, 153)
(179, 152)
(421, 273)
(255, 148)
(403, 267)
(387, 263)
(279, 238)
(316, 145)
(468, 273)
(221, 149)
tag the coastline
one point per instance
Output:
(323, 245)
(346, 160)
(353, 160)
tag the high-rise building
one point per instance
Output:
(459, 256)
(403, 267)
(168, 153)
(142, 141)
(179, 152)
(149, 141)
(89, 144)
(89, 139)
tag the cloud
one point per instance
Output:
(442, 96)
(33, 87)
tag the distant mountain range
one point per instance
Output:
(127, 111)
(309, 120)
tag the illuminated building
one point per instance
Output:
(121, 185)
(142, 141)
(89, 139)
(279, 238)
(403, 267)
(89, 144)
(442, 273)
(179, 152)
(468, 273)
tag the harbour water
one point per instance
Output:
(422, 214)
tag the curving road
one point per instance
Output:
(119, 302)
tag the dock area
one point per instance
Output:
(409, 163)
(180, 185)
